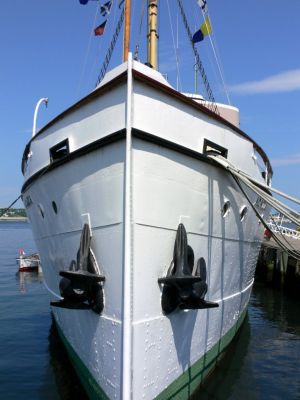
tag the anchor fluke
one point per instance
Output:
(182, 289)
(81, 287)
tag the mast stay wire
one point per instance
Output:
(100, 41)
(208, 53)
(83, 68)
(111, 48)
(213, 43)
(175, 48)
(137, 46)
(211, 103)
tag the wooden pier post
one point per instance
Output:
(278, 269)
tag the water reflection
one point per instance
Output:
(220, 383)
(59, 368)
(24, 279)
(263, 361)
(277, 308)
(67, 382)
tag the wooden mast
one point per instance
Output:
(152, 33)
(126, 31)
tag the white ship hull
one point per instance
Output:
(134, 176)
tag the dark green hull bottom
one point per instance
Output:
(180, 389)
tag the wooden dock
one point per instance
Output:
(277, 268)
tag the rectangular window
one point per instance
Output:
(214, 148)
(59, 151)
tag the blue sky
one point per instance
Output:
(48, 49)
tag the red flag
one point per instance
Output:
(100, 29)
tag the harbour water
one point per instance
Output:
(262, 363)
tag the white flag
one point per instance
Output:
(202, 4)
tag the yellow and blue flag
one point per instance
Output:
(204, 30)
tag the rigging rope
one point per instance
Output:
(113, 10)
(220, 69)
(214, 47)
(211, 104)
(175, 48)
(10, 206)
(241, 178)
(111, 48)
(262, 189)
(290, 250)
(137, 47)
(87, 52)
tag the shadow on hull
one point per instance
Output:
(221, 381)
(66, 379)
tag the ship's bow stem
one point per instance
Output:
(128, 249)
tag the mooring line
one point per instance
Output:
(10, 206)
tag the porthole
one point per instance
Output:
(41, 210)
(54, 206)
(243, 213)
(225, 209)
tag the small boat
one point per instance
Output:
(28, 263)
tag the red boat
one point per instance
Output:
(28, 262)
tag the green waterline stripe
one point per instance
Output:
(180, 389)
(189, 381)
(94, 391)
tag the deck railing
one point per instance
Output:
(292, 233)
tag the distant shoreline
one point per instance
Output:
(15, 219)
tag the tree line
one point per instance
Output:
(14, 212)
